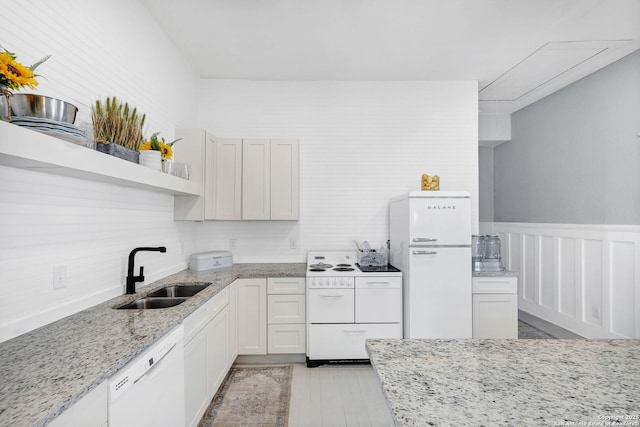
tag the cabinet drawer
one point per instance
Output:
(286, 285)
(286, 309)
(196, 321)
(495, 285)
(378, 282)
(286, 339)
(218, 302)
(347, 341)
(207, 311)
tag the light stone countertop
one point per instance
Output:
(504, 273)
(509, 382)
(45, 371)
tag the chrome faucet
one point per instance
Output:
(131, 279)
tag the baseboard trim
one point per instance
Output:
(251, 359)
(548, 327)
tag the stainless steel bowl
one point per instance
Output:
(44, 107)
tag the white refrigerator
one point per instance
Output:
(430, 241)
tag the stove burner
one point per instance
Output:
(343, 269)
(343, 265)
(317, 269)
(320, 265)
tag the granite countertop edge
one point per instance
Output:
(47, 370)
(503, 273)
(498, 382)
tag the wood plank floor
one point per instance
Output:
(337, 396)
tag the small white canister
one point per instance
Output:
(210, 260)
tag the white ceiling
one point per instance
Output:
(518, 50)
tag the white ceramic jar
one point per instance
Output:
(151, 159)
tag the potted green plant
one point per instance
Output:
(117, 128)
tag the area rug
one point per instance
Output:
(251, 396)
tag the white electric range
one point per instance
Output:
(346, 304)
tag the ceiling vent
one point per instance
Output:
(545, 65)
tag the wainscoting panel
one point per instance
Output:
(584, 278)
(567, 273)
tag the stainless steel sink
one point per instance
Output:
(179, 290)
(151, 303)
(169, 296)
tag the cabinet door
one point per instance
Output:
(284, 179)
(256, 179)
(191, 149)
(495, 316)
(217, 344)
(252, 316)
(195, 378)
(224, 169)
(232, 349)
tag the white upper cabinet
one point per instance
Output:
(270, 179)
(285, 170)
(216, 163)
(256, 179)
(241, 179)
(224, 177)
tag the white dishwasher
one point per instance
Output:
(149, 391)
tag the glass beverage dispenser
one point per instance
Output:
(486, 253)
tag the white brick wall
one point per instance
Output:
(361, 144)
(99, 48)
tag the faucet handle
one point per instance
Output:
(141, 276)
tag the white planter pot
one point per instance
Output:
(151, 159)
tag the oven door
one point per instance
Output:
(331, 305)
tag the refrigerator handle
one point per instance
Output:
(423, 239)
(425, 252)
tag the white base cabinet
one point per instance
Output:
(252, 316)
(495, 307)
(286, 315)
(271, 316)
(207, 361)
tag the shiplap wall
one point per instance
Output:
(584, 278)
(99, 48)
(361, 144)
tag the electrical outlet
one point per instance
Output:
(293, 244)
(232, 243)
(595, 312)
(59, 276)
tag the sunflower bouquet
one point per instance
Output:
(154, 143)
(14, 75)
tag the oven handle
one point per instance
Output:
(425, 253)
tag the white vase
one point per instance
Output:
(151, 159)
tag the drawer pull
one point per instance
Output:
(354, 331)
(331, 296)
(425, 252)
(424, 239)
(379, 283)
